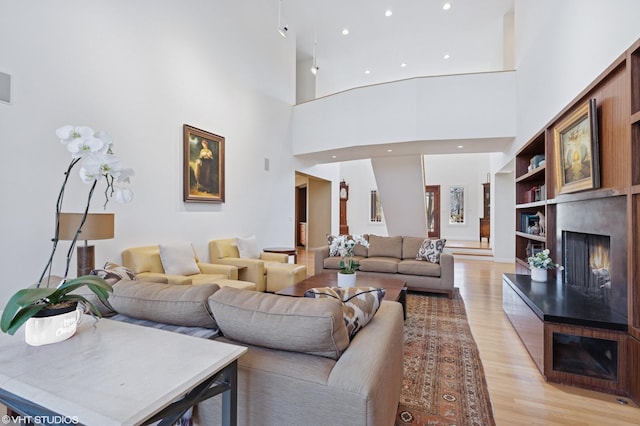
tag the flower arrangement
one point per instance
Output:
(542, 260)
(93, 150)
(343, 245)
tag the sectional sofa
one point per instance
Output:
(395, 256)
(302, 367)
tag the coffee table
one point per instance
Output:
(395, 288)
(117, 374)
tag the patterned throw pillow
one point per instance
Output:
(359, 304)
(112, 273)
(430, 250)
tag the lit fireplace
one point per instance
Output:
(587, 263)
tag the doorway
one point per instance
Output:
(312, 210)
(432, 204)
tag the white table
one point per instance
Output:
(116, 373)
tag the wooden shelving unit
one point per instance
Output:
(617, 92)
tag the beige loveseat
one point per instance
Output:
(395, 257)
(301, 367)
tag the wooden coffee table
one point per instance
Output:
(395, 288)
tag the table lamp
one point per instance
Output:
(97, 226)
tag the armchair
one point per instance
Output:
(257, 270)
(146, 263)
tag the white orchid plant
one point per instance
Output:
(93, 150)
(98, 163)
(344, 245)
(542, 260)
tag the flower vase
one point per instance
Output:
(346, 280)
(539, 274)
(52, 325)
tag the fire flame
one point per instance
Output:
(599, 257)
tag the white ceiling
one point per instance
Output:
(418, 33)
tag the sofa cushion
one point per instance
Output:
(112, 273)
(431, 250)
(333, 262)
(248, 248)
(385, 246)
(178, 258)
(419, 267)
(380, 264)
(411, 246)
(295, 324)
(359, 304)
(176, 304)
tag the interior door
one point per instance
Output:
(432, 203)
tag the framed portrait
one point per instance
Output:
(203, 166)
(577, 150)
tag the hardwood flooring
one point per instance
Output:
(519, 394)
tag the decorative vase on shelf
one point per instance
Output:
(539, 274)
(52, 325)
(346, 280)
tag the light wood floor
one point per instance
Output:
(519, 394)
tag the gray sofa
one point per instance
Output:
(301, 367)
(395, 257)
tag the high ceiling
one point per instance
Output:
(419, 33)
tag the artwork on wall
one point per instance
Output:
(577, 150)
(375, 207)
(203, 166)
(456, 204)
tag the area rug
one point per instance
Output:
(444, 381)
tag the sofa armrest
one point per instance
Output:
(274, 257)
(210, 268)
(446, 269)
(251, 270)
(319, 255)
(163, 278)
(372, 364)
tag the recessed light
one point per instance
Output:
(388, 12)
(446, 56)
(345, 31)
(389, 150)
(334, 156)
(367, 72)
(404, 64)
(460, 146)
(446, 6)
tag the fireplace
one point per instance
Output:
(587, 265)
(592, 246)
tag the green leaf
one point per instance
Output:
(20, 300)
(15, 322)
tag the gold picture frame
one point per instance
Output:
(203, 166)
(577, 150)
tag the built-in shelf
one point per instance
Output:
(541, 238)
(534, 174)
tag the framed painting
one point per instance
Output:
(456, 204)
(577, 150)
(203, 166)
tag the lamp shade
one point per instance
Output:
(97, 226)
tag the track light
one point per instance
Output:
(314, 69)
(282, 29)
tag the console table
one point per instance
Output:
(572, 339)
(117, 374)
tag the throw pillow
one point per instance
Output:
(359, 304)
(178, 259)
(431, 250)
(112, 273)
(248, 248)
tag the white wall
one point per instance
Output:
(139, 70)
(358, 174)
(469, 171)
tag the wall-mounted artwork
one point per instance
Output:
(456, 204)
(578, 150)
(203, 166)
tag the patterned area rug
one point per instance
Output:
(444, 381)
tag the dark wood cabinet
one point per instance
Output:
(485, 222)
